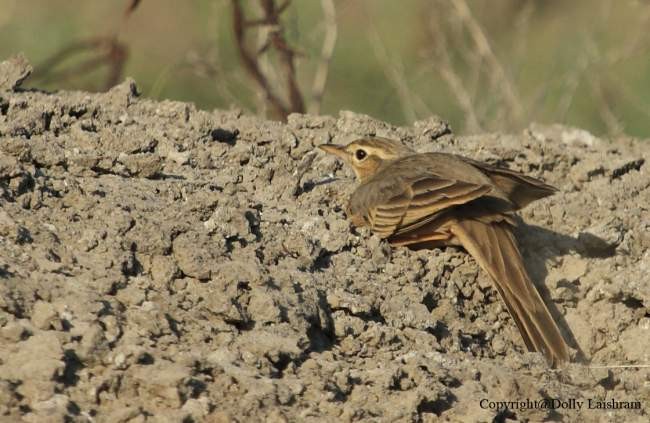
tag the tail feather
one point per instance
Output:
(495, 249)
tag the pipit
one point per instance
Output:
(428, 200)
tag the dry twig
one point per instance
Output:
(604, 100)
(276, 41)
(208, 66)
(453, 80)
(320, 79)
(108, 51)
(485, 50)
(395, 76)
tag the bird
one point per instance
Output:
(432, 200)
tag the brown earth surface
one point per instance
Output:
(163, 263)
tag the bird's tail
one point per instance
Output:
(495, 249)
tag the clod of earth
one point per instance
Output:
(163, 262)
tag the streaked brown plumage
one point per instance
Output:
(436, 199)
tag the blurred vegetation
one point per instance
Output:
(482, 64)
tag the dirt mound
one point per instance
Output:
(162, 263)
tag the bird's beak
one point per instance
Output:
(337, 150)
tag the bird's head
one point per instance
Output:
(367, 155)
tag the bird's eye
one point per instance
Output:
(360, 154)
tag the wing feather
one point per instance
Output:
(395, 205)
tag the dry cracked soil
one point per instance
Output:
(167, 264)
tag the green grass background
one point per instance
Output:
(542, 45)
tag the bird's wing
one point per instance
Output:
(393, 204)
(520, 189)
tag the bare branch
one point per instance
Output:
(571, 84)
(395, 75)
(250, 62)
(485, 50)
(453, 80)
(275, 40)
(130, 8)
(286, 54)
(210, 69)
(108, 52)
(612, 122)
(331, 32)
